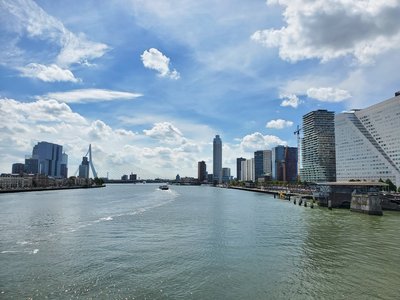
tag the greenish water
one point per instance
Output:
(138, 242)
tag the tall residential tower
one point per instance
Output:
(217, 159)
(318, 147)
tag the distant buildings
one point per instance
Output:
(84, 168)
(258, 164)
(217, 159)
(226, 175)
(267, 164)
(239, 167)
(18, 168)
(284, 163)
(368, 143)
(49, 157)
(318, 147)
(262, 164)
(46, 159)
(201, 171)
(247, 170)
(31, 165)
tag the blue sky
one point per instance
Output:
(150, 83)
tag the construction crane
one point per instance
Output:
(297, 132)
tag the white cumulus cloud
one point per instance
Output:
(155, 60)
(328, 94)
(26, 19)
(165, 132)
(330, 29)
(279, 124)
(290, 100)
(90, 95)
(48, 73)
(258, 141)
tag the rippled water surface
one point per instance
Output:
(138, 242)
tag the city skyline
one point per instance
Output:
(150, 84)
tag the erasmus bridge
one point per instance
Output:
(88, 162)
(87, 165)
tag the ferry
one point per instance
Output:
(163, 187)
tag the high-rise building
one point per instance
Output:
(284, 163)
(262, 164)
(64, 166)
(49, 156)
(202, 171)
(18, 168)
(318, 147)
(368, 143)
(247, 167)
(267, 162)
(84, 168)
(258, 164)
(31, 165)
(226, 175)
(217, 159)
(239, 168)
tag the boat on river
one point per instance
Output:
(163, 187)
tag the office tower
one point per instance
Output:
(318, 147)
(64, 166)
(31, 165)
(226, 175)
(284, 163)
(202, 171)
(133, 177)
(267, 164)
(368, 143)
(49, 157)
(18, 168)
(84, 168)
(239, 168)
(258, 164)
(262, 163)
(217, 159)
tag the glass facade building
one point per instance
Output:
(284, 163)
(318, 147)
(49, 157)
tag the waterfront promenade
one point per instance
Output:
(50, 188)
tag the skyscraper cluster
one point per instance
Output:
(277, 164)
(46, 159)
(361, 144)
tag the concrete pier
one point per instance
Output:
(369, 203)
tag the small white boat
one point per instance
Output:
(163, 187)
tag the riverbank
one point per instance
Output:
(286, 194)
(41, 189)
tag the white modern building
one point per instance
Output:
(248, 170)
(368, 143)
(217, 159)
(267, 162)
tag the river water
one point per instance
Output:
(138, 242)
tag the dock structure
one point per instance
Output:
(359, 196)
